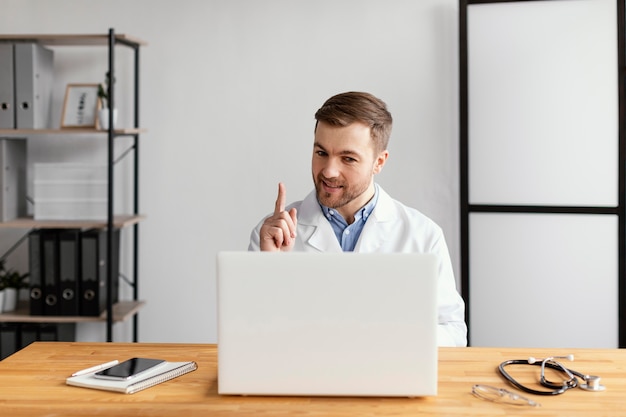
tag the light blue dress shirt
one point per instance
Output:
(348, 234)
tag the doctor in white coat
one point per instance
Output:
(348, 211)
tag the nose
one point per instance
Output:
(330, 168)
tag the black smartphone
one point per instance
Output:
(128, 369)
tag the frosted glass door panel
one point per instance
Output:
(543, 103)
(543, 280)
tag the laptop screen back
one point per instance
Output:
(327, 324)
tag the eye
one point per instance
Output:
(321, 153)
(349, 160)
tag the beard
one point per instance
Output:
(343, 196)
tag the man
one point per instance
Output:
(348, 211)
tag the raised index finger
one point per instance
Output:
(281, 199)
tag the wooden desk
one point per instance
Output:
(32, 383)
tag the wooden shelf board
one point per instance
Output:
(30, 223)
(121, 312)
(67, 131)
(72, 40)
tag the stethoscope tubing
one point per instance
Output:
(556, 388)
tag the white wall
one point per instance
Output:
(228, 93)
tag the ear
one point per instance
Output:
(380, 161)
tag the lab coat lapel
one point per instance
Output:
(379, 228)
(315, 231)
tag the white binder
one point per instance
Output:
(7, 99)
(33, 85)
(12, 179)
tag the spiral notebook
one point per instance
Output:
(166, 372)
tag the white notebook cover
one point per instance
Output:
(169, 370)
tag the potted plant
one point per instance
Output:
(103, 95)
(11, 281)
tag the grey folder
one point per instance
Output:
(33, 85)
(7, 98)
(12, 179)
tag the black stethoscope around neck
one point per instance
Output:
(590, 382)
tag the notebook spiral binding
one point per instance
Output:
(163, 377)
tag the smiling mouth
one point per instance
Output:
(331, 187)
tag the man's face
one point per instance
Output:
(344, 165)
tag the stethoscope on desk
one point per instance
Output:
(591, 382)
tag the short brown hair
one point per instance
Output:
(346, 108)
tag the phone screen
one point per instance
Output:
(128, 369)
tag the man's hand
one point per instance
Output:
(278, 232)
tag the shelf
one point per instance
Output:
(73, 40)
(30, 223)
(121, 312)
(68, 131)
(110, 42)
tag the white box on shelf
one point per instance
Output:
(70, 209)
(70, 191)
(73, 190)
(69, 171)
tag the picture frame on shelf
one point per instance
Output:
(80, 107)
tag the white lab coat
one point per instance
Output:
(392, 227)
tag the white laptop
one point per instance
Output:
(327, 324)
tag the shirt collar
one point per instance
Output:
(362, 214)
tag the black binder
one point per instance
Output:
(50, 272)
(35, 281)
(94, 270)
(69, 270)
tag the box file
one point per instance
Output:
(69, 269)
(35, 282)
(7, 97)
(50, 272)
(33, 79)
(12, 179)
(94, 271)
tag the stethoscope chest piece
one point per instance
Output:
(592, 383)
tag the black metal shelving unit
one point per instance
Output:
(111, 40)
